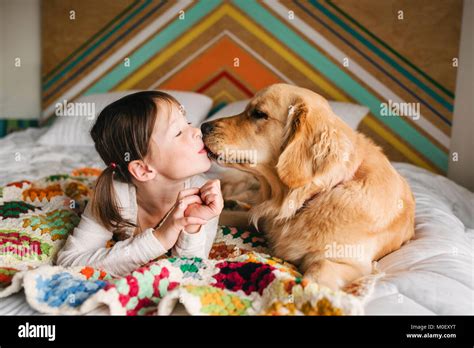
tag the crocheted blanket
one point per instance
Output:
(239, 278)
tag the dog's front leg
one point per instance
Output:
(234, 218)
(332, 274)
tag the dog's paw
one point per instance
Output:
(316, 277)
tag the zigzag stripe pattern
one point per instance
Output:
(231, 49)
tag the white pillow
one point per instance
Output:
(350, 113)
(230, 109)
(75, 130)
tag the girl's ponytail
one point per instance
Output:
(104, 201)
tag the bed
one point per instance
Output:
(432, 274)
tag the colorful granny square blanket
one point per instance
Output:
(239, 278)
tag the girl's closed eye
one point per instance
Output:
(180, 132)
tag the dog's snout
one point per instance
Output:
(207, 128)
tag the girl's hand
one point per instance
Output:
(213, 202)
(176, 221)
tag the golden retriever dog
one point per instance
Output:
(329, 200)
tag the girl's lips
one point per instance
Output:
(203, 150)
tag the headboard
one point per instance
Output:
(383, 54)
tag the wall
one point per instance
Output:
(20, 81)
(461, 170)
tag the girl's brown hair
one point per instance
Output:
(122, 134)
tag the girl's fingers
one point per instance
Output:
(214, 202)
(211, 183)
(188, 192)
(183, 203)
(178, 213)
(210, 198)
(192, 220)
(216, 182)
(210, 190)
(214, 193)
(211, 187)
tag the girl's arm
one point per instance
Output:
(197, 244)
(86, 246)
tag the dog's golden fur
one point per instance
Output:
(323, 186)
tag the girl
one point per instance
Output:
(151, 197)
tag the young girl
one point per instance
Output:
(150, 197)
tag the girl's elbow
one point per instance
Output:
(69, 259)
(63, 259)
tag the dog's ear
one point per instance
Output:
(313, 148)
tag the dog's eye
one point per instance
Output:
(257, 114)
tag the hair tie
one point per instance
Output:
(113, 165)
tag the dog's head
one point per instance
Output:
(289, 129)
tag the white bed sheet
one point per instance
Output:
(432, 274)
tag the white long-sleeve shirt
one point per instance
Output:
(87, 243)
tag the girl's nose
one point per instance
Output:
(197, 133)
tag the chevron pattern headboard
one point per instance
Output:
(368, 52)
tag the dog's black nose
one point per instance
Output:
(207, 128)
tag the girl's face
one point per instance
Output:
(177, 150)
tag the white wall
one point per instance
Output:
(20, 87)
(462, 133)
